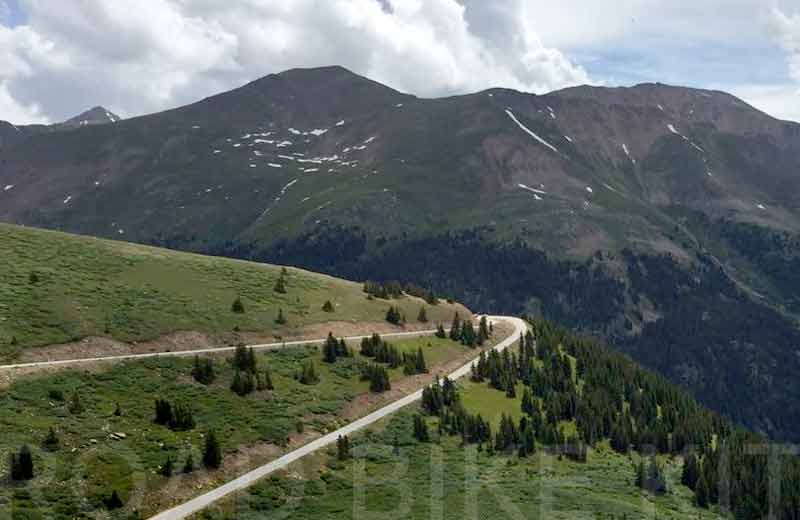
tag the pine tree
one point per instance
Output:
(212, 452)
(342, 350)
(527, 401)
(188, 466)
(420, 362)
(342, 448)
(280, 319)
(702, 492)
(114, 501)
(237, 306)
(163, 412)
(280, 284)
(330, 349)
(117, 410)
(22, 464)
(182, 418)
(168, 467)
(440, 333)
(327, 306)
(468, 336)
(455, 328)
(393, 315)
(422, 317)
(307, 374)
(75, 405)
(511, 391)
(203, 370)
(51, 442)
(691, 471)
(483, 331)
(421, 429)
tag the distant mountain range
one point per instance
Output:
(11, 134)
(664, 218)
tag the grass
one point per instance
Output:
(393, 476)
(91, 463)
(61, 288)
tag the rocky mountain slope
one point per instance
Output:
(664, 218)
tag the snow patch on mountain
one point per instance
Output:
(529, 131)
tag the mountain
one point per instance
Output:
(664, 219)
(93, 116)
(11, 134)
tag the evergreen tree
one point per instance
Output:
(182, 418)
(75, 405)
(702, 492)
(691, 471)
(420, 362)
(163, 412)
(167, 468)
(114, 501)
(268, 381)
(203, 370)
(393, 315)
(21, 464)
(378, 377)
(511, 391)
(342, 447)
(307, 374)
(51, 442)
(455, 328)
(117, 410)
(280, 319)
(280, 284)
(468, 336)
(327, 306)
(422, 317)
(483, 331)
(440, 333)
(527, 402)
(342, 350)
(237, 306)
(212, 451)
(188, 466)
(421, 429)
(330, 349)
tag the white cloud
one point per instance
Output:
(156, 54)
(782, 101)
(788, 27)
(161, 53)
(11, 110)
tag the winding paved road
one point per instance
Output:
(248, 479)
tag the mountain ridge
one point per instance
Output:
(595, 189)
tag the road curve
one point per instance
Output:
(214, 350)
(248, 479)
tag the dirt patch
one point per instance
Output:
(184, 341)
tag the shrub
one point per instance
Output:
(212, 452)
(237, 306)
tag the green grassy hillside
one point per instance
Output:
(385, 482)
(58, 288)
(110, 442)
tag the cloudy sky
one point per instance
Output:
(58, 58)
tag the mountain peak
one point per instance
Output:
(94, 116)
